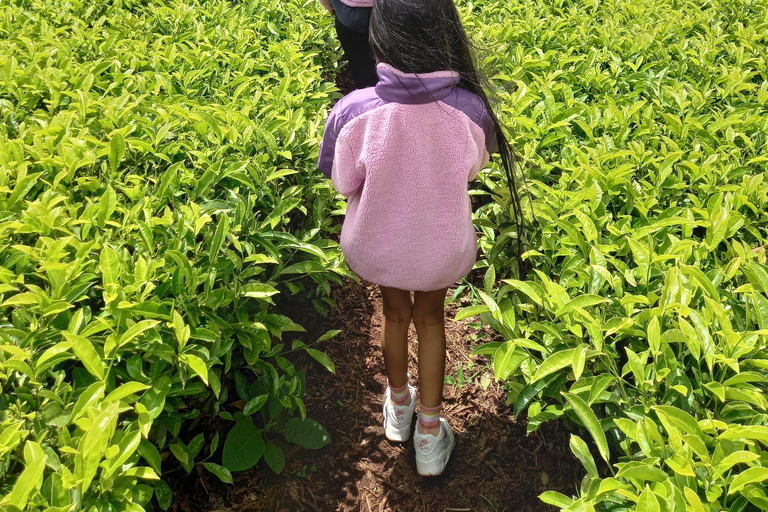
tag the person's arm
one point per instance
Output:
(327, 5)
(485, 142)
(333, 126)
(491, 144)
(338, 159)
(347, 175)
(483, 155)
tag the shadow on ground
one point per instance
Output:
(495, 466)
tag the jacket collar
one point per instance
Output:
(412, 88)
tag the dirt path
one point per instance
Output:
(494, 467)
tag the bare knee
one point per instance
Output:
(400, 313)
(427, 317)
(428, 309)
(396, 305)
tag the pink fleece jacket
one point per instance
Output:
(403, 152)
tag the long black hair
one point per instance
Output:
(422, 36)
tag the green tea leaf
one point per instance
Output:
(761, 308)
(21, 299)
(757, 276)
(116, 150)
(30, 478)
(258, 291)
(755, 432)
(92, 445)
(180, 452)
(748, 476)
(525, 288)
(127, 446)
(529, 392)
(135, 330)
(680, 465)
(164, 494)
(154, 399)
(470, 311)
(87, 398)
(717, 228)
(553, 363)
(642, 471)
(647, 501)
(588, 418)
(243, 447)
(507, 359)
(151, 455)
(127, 389)
(221, 472)
(490, 279)
(275, 457)
(109, 265)
(582, 301)
(555, 498)
(106, 206)
(255, 404)
(581, 451)
(23, 185)
(654, 335)
(222, 228)
(322, 358)
(679, 419)
(305, 432)
(84, 351)
(703, 281)
(693, 500)
(642, 257)
(329, 335)
(198, 366)
(304, 267)
(740, 457)
(579, 359)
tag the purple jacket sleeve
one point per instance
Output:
(480, 115)
(333, 126)
(475, 109)
(489, 129)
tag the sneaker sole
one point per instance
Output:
(436, 466)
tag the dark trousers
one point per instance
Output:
(359, 55)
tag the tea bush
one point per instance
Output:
(157, 190)
(642, 128)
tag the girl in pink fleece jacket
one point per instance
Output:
(403, 152)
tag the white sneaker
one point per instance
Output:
(397, 418)
(432, 452)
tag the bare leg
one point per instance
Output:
(398, 309)
(429, 319)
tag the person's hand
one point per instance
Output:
(327, 5)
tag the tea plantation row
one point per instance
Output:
(157, 190)
(643, 129)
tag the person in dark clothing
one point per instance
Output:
(352, 20)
